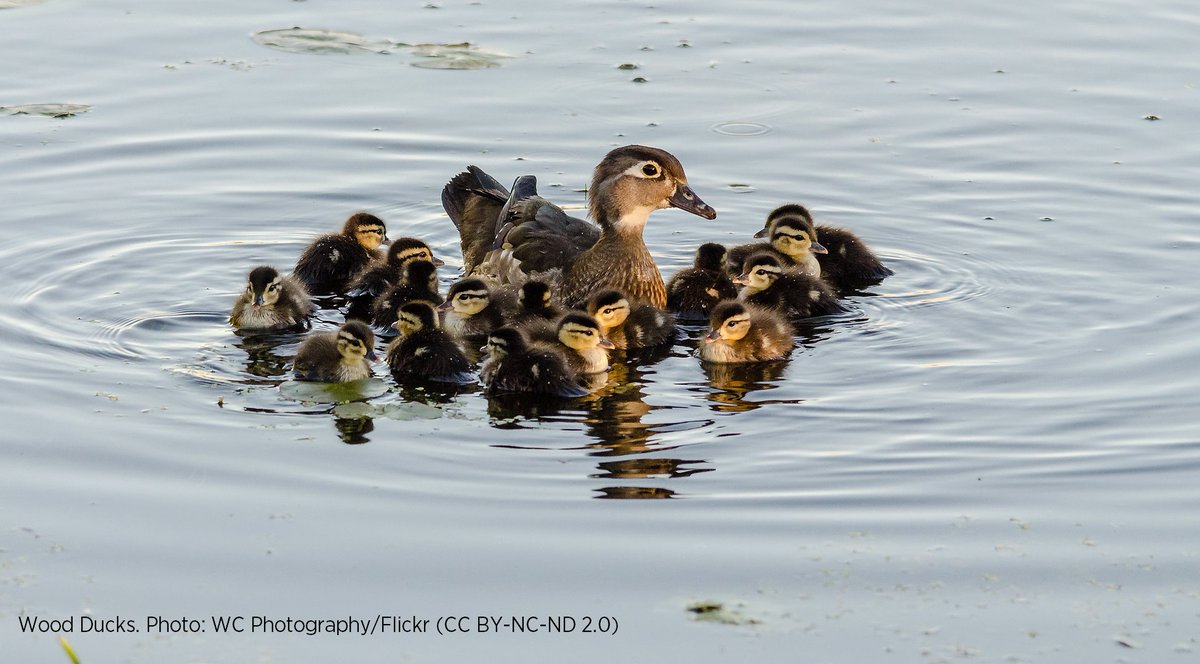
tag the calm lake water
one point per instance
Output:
(991, 457)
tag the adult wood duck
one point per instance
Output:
(337, 357)
(506, 236)
(271, 301)
(332, 261)
(740, 332)
(694, 291)
(848, 264)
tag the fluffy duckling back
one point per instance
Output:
(271, 301)
(423, 351)
(336, 357)
(740, 332)
(332, 261)
(512, 365)
(627, 185)
(792, 239)
(630, 325)
(847, 264)
(793, 294)
(419, 282)
(469, 310)
(694, 291)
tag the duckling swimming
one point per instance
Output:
(271, 302)
(627, 186)
(512, 365)
(423, 351)
(793, 294)
(535, 306)
(793, 240)
(694, 291)
(629, 325)
(580, 341)
(336, 357)
(847, 264)
(332, 261)
(419, 282)
(469, 310)
(741, 332)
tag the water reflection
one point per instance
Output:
(263, 359)
(733, 383)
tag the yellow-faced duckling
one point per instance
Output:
(694, 291)
(271, 301)
(469, 310)
(419, 282)
(847, 264)
(630, 325)
(580, 341)
(792, 239)
(513, 365)
(332, 261)
(423, 351)
(793, 294)
(628, 184)
(740, 332)
(337, 357)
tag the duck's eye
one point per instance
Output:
(607, 312)
(273, 287)
(730, 324)
(651, 169)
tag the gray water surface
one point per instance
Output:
(991, 457)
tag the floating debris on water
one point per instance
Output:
(333, 393)
(628, 66)
(13, 4)
(1152, 118)
(46, 110)
(710, 611)
(461, 55)
(456, 56)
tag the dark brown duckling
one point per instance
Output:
(848, 264)
(630, 325)
(794, 294)
(513, 365)
(694, 291)
(536, 312)
(336, 357)
(469, 310)
(375, 279)
(332, 261)
(628, 184)
(271, 301)
(792, 240)
(418, 282)
(423, 351)
(741, 332)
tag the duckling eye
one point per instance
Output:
(607, 311)
(650, 170)
(730, 324)
(273, 287)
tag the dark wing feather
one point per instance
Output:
(544, 237)
(473, 200)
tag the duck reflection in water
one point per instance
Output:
(263, 361)
(733, 383)
(354, 430)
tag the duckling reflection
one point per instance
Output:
(733, 383)
(354, 430)
(639, 468)
(636, 492)
(263, 359)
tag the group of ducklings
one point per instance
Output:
(549, 295)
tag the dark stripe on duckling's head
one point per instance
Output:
(785, 210)
(262, 276)
(710, 256)
(729, 320)
(357, 335)
(505, 341)
(578, 319)
(418, 314)
(470, 285)
(406, 249)
(605, 298)
(363, 221)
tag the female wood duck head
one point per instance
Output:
(635, 180)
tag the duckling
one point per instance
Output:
(692, 292)
(271, 302)
(848, 264)
(419, 282)
(513, 365)
(536, 312)
(373, 280)
(583, 345)
(793, 294)
(423, 351)
(627, 185)
(741, 332)
(793, 240)
(331, 261)
(629, 325)
(469, 310)
(336, 357)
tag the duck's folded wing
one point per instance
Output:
(473, 200)
(543, 237)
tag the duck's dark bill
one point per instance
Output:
(686, 199)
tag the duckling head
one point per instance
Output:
(609, 307)
(420, 273)
(467, 297)
(407, 249)
(795, 236)
(785, 210)
(581, 332)
(635, 180)
(355, 340)
(366, 229)
(535, 295)
(264, 286)
(710, 256)
(505, 341)
(730, 321)
(415, 316)
(759, 272)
